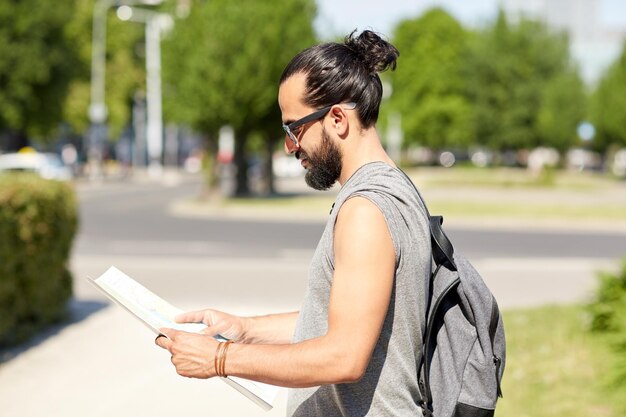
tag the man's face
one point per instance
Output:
(316, 150)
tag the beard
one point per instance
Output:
(325, 164)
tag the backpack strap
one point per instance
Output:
(443, 251)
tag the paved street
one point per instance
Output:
(105, 364)
(127, 219)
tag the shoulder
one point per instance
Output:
(361, 223)
(358, 206)
(375, 173)
(360, 210)
(379, 179)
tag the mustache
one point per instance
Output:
(301, 154)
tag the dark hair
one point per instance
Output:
(345, 72)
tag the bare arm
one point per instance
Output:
(272, 329)
(360, 294)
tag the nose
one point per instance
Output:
(290, 147)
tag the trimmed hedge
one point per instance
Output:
(38, 222)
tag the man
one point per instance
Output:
(353, 349)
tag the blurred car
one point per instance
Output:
(287, 166)
(618, 165)
(46, 165)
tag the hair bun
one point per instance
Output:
(376, 54)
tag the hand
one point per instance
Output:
(226, 325)
(193, 354)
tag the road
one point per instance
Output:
(104, 363)
(132, 219)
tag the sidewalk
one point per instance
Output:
(107, 364)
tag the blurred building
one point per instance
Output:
(594, 41)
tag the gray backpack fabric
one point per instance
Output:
(464, 348)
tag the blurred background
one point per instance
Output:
(155, 124)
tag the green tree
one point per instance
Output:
(125, 73)
(517, 75)
(37, 63)
(562, 108)
(608, 104)
(222, 65)
(428, 88)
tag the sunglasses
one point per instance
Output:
(292, 131)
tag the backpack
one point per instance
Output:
(464, 349)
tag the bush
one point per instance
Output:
(38, 221)
(608, 316)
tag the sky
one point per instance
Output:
(343, 16)
(339, 17)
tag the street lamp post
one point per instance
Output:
(97, 107)
(156, 24)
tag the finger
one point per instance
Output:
(208, 331)
(163, 342)
(190, 317)
(218, 329)
(171, 334)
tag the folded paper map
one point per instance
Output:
(157, 313)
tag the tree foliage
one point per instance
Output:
(428, 88)
(221, 65)
(508, 86)
(523, 87)
(562, 108)
(125, 73)
(45, 61)
(608, 104)
(37, 63)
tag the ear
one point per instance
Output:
(339, 120)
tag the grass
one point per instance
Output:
(529, 210)
(555, 367)
(309, 202)
(469, 192)
(469, 176)
(516, 193)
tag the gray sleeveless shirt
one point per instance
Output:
(389, 386)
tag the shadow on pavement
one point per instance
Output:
(78, 311)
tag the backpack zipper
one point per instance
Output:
(498, 362)
(493, 326)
